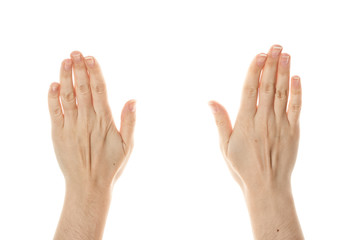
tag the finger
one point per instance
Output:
(250, 90)
(282, 86)
(82, 84)
(223, 123)
(67, 92)
(98, 87)
(55, 110)
(295, 101)
(127, 127)
(268, 79)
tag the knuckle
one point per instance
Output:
(254, 69)
(99, 88)
(57, 112)
(68, 96)
(268, 88)
(130, 121)
(53, 95)
(220, 123)
(295, 107)
(296, 91)
(281, 94)
(83, 88)
(56, 116)
(250, 92)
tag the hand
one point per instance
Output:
(90, 150)
(261, 149)
(88, 146)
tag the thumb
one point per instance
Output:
(128, 119)
(223, 123)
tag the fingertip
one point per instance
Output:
(75, 53)
(128, 121)
(54, 87)
(276, 46)
(295, 104)
(222, 121)
(131, 105)
(55, 109)
(90, 61)
(66, 64)
(261, 59)
(284, 59)
(295, 82)
(285, 54)
(213, 106)
(296, 77)
(275, 51)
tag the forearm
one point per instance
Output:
(84, 214)
(273, 215)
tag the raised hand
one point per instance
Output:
(261, 148)
(89, 148)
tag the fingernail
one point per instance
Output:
(276, 51)
(213, 107)
(90, 61)
(261, 59)
(284, 59)
(76, 57)
(296, 81)
(67, 64)
(132, 106)
(54, 87)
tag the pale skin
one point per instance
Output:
(90, 150)
(261, 149)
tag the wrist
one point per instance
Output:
(272, 212)
(267, 187)
(268, 192)
(84, 212)
(270, 201)
(269, 198)
(88, 195)
(88, 187)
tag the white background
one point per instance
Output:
(173, 57)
